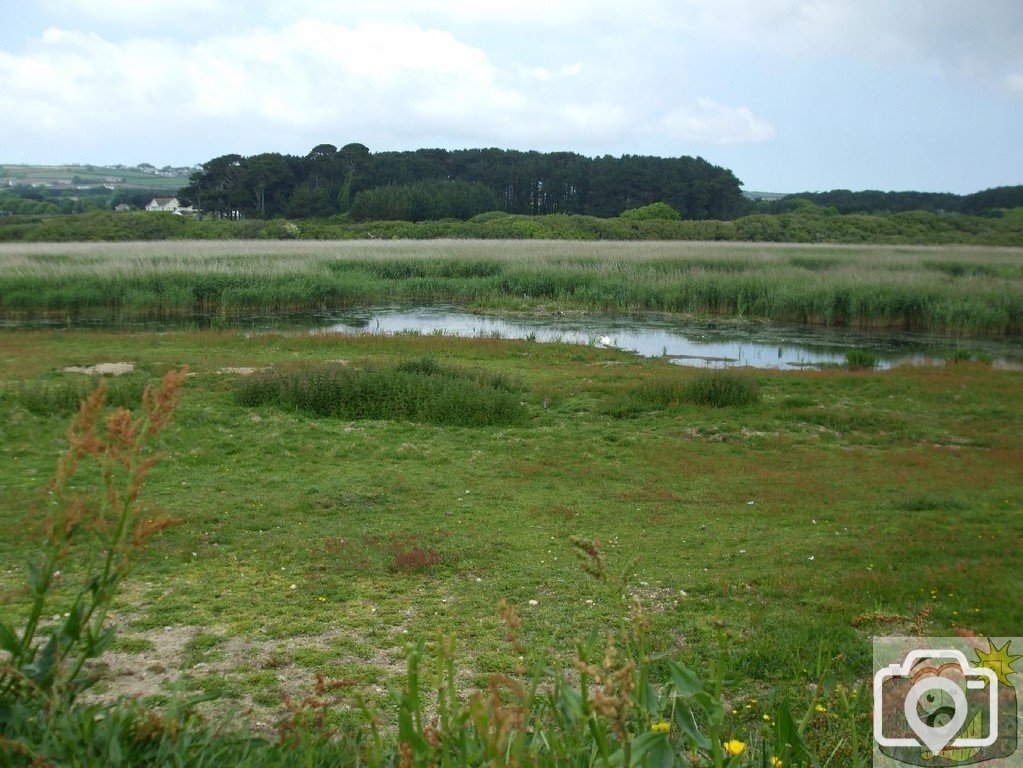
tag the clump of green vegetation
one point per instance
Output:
(61, 397)
(654, 211)
(962, 355)
(860, 358)
(414, 390)
(717, 389)
(722, 389)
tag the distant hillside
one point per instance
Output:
(143, 176)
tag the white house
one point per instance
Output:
(168, 204)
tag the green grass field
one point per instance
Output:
(955, 290)
(96, 174)
(343, 497)
(843, 504)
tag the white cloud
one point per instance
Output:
(309, 75)
(979, 40)
(707, 121)
(385, 84)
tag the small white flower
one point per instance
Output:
(811, 557)
(750, 503)
(293, 586)
(534, 602)
(742, 551)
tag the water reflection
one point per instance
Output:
(705, 345)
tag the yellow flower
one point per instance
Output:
(661, 727)
(776, 762)
(767, 718)
(821, 708)
(735, 747)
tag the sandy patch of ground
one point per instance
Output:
(165, 667)
(102, 369)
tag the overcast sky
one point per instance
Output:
(790, 94)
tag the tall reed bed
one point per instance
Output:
(958, 291)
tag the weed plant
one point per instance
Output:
(43, 668)
(416, 390)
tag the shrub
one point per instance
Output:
(654, 211)
(722, 389)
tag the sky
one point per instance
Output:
(791, 95)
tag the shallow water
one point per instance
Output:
(720, 344)
(697, 344)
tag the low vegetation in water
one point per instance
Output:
(860, 358)
(834, 286)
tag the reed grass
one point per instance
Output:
(952, 290)
(414, 390)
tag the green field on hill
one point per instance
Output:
(61, 175)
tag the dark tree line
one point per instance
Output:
(329, 180)
(874, 201)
